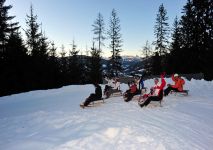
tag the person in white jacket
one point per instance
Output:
(109, 85)
(114, 88)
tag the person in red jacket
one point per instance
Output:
(128, 95)
(178, 86)
(156, 92)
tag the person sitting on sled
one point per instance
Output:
(142, 87)
(94, 96)
(156, 92)
(115, 88)
(128, 95)
(110, 84)
(178, 86)
(139, 83)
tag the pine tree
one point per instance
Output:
(52, 51)
(161, 31)
(174, 59)
(98, 30)
(12, 53)
(204, 20)
(17, 61)
(95, 70)
(38, 48)
(32, 33)
(156, 60)
(43, 46)
(74, 65)
(54, 67)
(63, 66)
(187, 24)
(196, 31)
(4, 25)
(116, 44)
(176, 36)
(146, 52)
(63, 52)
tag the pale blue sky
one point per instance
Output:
(65, 20)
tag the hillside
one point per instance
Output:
(53, 120)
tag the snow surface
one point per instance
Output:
(53, 120)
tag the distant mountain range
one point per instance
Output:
(132, 65)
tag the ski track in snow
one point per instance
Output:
(53, 120)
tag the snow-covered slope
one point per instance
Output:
(53, 120)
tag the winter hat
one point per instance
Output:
(156, 79)
(176, 75)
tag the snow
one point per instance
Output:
(53, 120)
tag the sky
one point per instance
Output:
(66, 20)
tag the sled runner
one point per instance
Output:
(93, 103)
(136, 97)
(139, 93)
(184, 92)
(118, 93)
(113, 93)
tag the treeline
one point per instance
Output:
(33, 63)
(191, 47)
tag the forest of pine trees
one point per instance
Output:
(33, 64)
(190, 49)
(30, 64)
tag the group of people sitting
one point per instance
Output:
(112, 86)
(157, 91)
(137, 87)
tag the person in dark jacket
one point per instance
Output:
(94, 96)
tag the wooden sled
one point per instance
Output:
(184, 92)
(152, 103)
(93, 103)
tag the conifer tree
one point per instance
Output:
(174, 59)
(196, 31)
(54, 67)
(115, 65)
(63, 65)
(12, 53)
(161, 31)
(38, 48)
(95, 70)
(32, 33)
(17, 63)
(99, 31)
(74, 66)
(43, 46)
(4, 25)
(156, 60)
(146, 52)
(176, 36)
(187, 24)
(52, 51)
